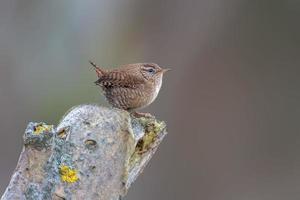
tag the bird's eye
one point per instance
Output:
(151, 70)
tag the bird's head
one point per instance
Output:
(152, 71)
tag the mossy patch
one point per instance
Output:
(152, 129)
(151, 132)
(147, 135)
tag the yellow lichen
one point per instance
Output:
(67, 174)
(42, 128)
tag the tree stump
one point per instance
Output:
(94, 153)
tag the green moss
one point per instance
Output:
(152, 129)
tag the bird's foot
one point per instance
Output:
(140, 114)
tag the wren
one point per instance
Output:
(130, 87)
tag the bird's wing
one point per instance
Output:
(119, 79)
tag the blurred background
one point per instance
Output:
(231, 101)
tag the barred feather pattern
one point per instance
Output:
(123, 90)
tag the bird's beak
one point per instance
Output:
(165, 70)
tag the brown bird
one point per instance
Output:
(131, 86)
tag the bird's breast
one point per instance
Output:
(155, 91)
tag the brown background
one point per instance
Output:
(231, 102)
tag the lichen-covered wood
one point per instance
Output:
(94, 153)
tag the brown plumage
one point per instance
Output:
(131, 86)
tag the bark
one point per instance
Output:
(94, 153)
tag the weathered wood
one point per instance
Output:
(94, 153)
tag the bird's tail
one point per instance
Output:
(99, 71)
